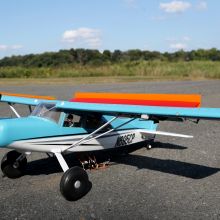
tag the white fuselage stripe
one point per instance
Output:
(49, 144)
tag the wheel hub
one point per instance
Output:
(16, 165)
(77, 184)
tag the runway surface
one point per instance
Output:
(177, 179)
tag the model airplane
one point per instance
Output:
(89, 122)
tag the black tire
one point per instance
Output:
(8, 165)
(74, 183)
(149, 146)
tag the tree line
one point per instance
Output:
(95, 57)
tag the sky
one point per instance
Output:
(37, 26)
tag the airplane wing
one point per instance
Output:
(23, 98)
(149, 112)
(157, 107)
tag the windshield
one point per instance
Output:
(47, 110)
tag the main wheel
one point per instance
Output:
(74, 183)
(12, 168)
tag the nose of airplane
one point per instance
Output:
(16, 129)
(3, 135)
(12, 130)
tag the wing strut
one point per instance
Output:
(14, 110)
(85, 139)
(96, 137)
(30, 109)
(94, 132)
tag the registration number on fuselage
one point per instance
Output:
(125, 140)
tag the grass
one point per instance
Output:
(74, 81)
(121, 72)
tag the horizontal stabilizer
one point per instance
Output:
(165, 133)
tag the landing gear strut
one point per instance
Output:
(13, 164)
(74, 183)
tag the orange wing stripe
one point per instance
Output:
(194, 98)
(28, 96)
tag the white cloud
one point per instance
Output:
(10, 47)
(186, 38)
(16, 46)
(3, 47)
(202, 5)
(86, 36)
(178, 46)
(175, 6)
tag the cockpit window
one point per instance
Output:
(47, 110)
(73, 120)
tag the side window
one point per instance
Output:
(87, 121)
(72, 120)
(95, 121)
(92, 121)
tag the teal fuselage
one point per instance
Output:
(32, 127)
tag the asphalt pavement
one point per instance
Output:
(177, 179)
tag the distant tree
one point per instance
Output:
(107, 55)
(73, 54)
(82, 56)
(213, 54)
(133, 55)
(155, 55)
(116, 56)
(179, 55)
(95, 57)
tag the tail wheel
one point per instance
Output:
(74, 183)
(149, 146)
(12, 168)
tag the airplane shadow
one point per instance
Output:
(162, 145)
(184, 169)
(48, 166)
